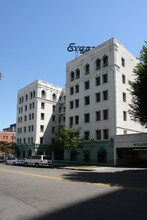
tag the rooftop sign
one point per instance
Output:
(82, 49)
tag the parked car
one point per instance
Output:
(39, 160)
(14, 161)
(2, 159)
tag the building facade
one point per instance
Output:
(98, 98)
(38, 110)
(6, 136)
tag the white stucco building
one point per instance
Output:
(98, 97)
(38, 108)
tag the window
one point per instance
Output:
(70, 121)
(53, 130)
(98, 134)
(31, 95)
(97, 81)
(87, 69)
(54, 108)
(24, 129)
(53, 118)
(124, 115)
(76, 103)
(42, 116)
(86, 85)
(54, 97)
(98, 115)
(98, 64)
(124, 97)
(72, 76)
(123, 62)
(87, 118)
(77, 73)
(98, 97)
(105, 95)
(71, 90)
(87, 135)
(123, 79)
(42, 105)
(105, 134)
(87, 100)
(41, 140)
(32, 116)
(26, 97)
(76, 88)
(41, 128)
(25, 107)
(71, 104)
(105, 61)
(105, 114)
(24, 140)
(43, 94)
(25, 118)
(105, 78)
(29, 128)
(77, 119)
(29, 116)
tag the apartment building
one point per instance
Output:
(39, 108)
(98, 98)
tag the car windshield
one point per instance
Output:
(47, 157)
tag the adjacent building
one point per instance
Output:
(38, 117)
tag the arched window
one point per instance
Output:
(33, 93)
(105, 61)
(43, 94)
(72, 76)
(98, 64)
(73, 155)
(102, 156)
(77, 73)
(26, 97)
(87, 68)
(54, 97)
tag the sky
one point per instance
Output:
(35, 34)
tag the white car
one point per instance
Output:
(39, 160)
(14, 161)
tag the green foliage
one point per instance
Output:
(139, 89)
(7, 148)
(67, 138)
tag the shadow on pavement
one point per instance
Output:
(118, 205)
(115, 204)
(128, 178)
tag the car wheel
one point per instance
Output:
(36, 165)
(26, 164)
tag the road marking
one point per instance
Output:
(32, 174)
(63, 179)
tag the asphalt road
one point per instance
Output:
(59, 194)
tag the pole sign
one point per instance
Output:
(82, 49)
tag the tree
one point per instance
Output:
(7, 148)
(138, 89)
(67, 139)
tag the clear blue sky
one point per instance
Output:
(34, 35)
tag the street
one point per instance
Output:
(28, 193)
